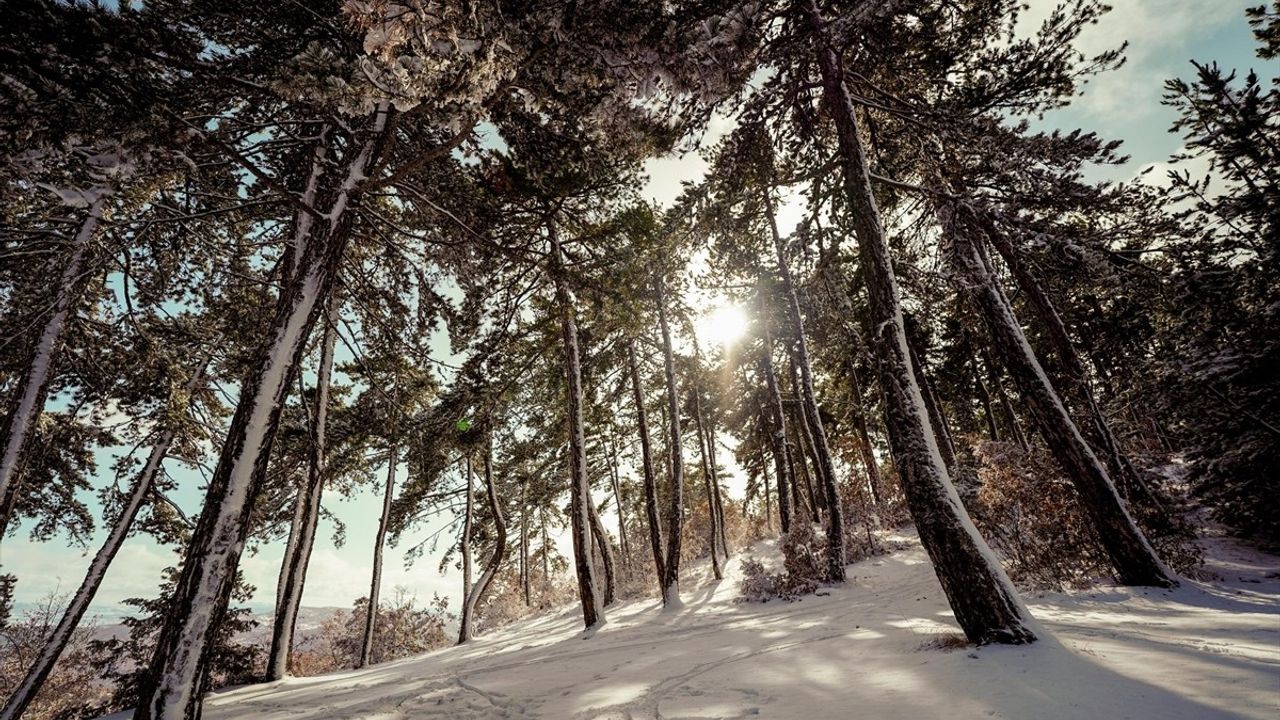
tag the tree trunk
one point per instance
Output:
(801, 449)
(715, 485)
(601, 540)
(768, 498)
(778, 432)
(612, 461)
(817, 436)
(32, 389)
(675, 512)
(1135, 562)
(306, 514)
(371, 613)
(936, 418)
(464, 550)
(646, 462)
(478, 591)
(713, 520)
(1096, 428)
(984, 396)
(79, 603)
(524, 543)
(579, 486)
(984, 601)
(1006, 407)
(864, 436)
(208, 574)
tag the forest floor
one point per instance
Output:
(881, 647)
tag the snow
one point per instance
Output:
(883, 646)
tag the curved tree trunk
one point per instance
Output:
(31, 391)
(984, 601)
(675, 511)
(79, 603)
(579, 487)
(1133, 558)
(646, 463)
(371, 612)
(306, 514)
(601, 540)
(178, 668)
(477, 592)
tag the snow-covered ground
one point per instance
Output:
(880, 647)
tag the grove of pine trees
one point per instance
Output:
(309, 250)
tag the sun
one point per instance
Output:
(723, 325)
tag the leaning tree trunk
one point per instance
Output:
(984, 396)
(306, 514)
(579, 486)
(713, 519)
(984, 601)
(802, 455)
(477, 592)
(646, 463)
(1133, 558)
(675, 511)
(601, 540)
(464, 549)
(178, 667)
(809, 404)
(934, 408)
(1097, 429)
(371, 612)
(864, 436)
(768, 497)
(33, 387)
(778, 434)
(1006, 407)
(57, 640)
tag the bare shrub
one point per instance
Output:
(73, 689)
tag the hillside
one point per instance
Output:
(880, 647)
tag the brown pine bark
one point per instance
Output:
(983, 600)
(1133, 558)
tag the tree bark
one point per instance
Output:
(646, 462)
(1006, 407)
(477, 592)
(203, 590)
(1133, 558)
(816, 434)
(864, 436)
(675, 511)
(79, 603)
(984, 601)
(715, 485)
(1096, 428)
(579, 486)
(306, 514)
(936, 418)
(524, 543)
(371, 613)
(601, 540)
(712, 517)
(778, 433)
(464, 550)
(33, 388)
(612, 461)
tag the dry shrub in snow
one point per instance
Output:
(1031, 515)
(401, 629)
(803, 564)
(73, 689)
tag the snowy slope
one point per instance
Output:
(880, 647)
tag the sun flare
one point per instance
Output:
(723, 325)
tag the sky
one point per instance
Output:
(1163, 35)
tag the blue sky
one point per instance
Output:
(1163, 35)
